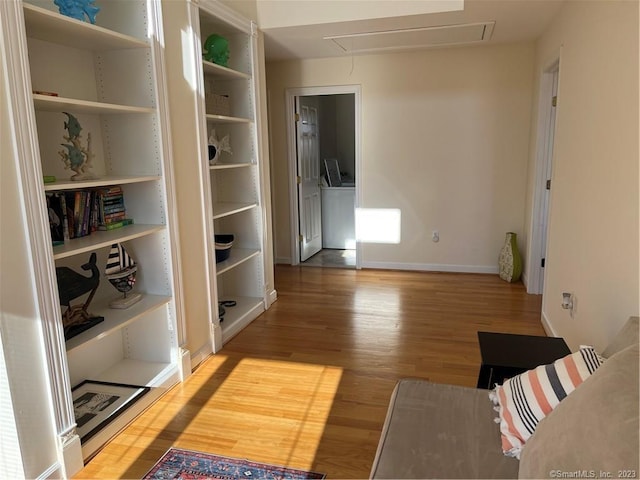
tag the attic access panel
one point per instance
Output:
(414, 38)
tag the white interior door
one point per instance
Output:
(309, 199)
(544, 216)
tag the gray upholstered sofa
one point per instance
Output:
(447, 431)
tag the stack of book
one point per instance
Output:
(79, 217)
(111, 209)
(77, 213)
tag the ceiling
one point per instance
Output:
(481, 21)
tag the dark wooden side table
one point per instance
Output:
(505, 355)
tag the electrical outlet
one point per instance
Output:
(569, 302)
(435, 236)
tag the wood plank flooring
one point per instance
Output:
(307, 384)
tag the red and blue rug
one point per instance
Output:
(188, 465)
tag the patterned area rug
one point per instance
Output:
(189, 465)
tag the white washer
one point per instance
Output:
(338, 217)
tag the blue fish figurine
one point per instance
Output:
(78, 9)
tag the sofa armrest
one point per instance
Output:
(595, 429)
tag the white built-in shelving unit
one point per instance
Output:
(231, 192)
(111, 77)
(233, 185)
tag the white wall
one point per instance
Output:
(444, 139)
(248, 8)
(593, 226)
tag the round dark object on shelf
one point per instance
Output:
(222, 255)
(223, 238)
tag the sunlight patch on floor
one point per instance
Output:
(265, 410)
(272, 410)
(178, 406)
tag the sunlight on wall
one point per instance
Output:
(188, 70)
(378, 225)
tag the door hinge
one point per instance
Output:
(548, 185)
(554, 101)
(300, 238)
(298, 179)
(542, 262)
(297, 117)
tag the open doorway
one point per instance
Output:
(323, 133)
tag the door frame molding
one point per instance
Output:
(290, 96)
(535, 276)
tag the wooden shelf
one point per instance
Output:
(224, 166)
(138, 372)
(225, 209)
(225, 119)
(58, 104)
(115, 319)
(236, 257)
(56, 28)
(101, 239)
(90, 446)
(239, 316)
(222, 72)
(98, 182)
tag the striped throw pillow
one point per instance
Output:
(524, 400)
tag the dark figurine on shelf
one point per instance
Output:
(216, 50)
(76, 319)
(78, 9)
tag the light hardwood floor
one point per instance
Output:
(307, 384)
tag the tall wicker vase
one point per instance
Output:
(510, 261)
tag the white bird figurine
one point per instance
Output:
(216, 147)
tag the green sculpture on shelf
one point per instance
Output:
(216, 50)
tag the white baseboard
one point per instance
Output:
(272, 296)
(237, 326)
(432, 267)
(548, 328)
(216, 335)
(198, 357)
(72, 456)
(426, 267)
(53, 472)
(185, 366)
